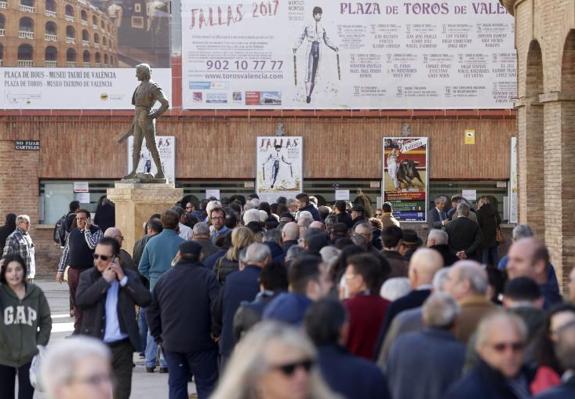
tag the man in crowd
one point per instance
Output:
(78, 256)
(387, 218)
(365, 230)
(305, 205)
(153, 227)
(438, 240)
(290, 235)
(20, 243)
(358, 215)
(308, 282)
(523, 297)
(183, 231)
(467, 283)
(437, 218)
(434, 352)
(326, 323)
(529, 257)
(124, 257)
(185, 331)
(391, 237)
(201, 235)
(500, 345)
(217, 217)
(156, 260)
(242, 285)
(108, 295)
(464, 235)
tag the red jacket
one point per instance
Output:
(366, 316)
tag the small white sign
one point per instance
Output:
(469, 195)
(342, 195)
(213, 192)
(81, 187)
(82, 198)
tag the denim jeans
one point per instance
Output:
(152, 353)
(202, 365)
(143, 329)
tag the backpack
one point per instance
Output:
(60, 232)
(223, 267)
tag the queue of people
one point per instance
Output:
(296, 300)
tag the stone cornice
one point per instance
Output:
(509, 5)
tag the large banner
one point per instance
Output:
(82, 54)
(167, 149)
(279, 167)
(405, 177)
(336, 54)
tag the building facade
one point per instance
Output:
(545, 42)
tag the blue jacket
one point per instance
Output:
(436, 355)
(483, 382)
(350, 376)
(287, 307)
(240, 286)
(158, 255)
(313, 210)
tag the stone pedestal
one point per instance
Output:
(136, 202)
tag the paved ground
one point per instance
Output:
(144, 385)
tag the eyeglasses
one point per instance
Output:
(218, 217)
(103, 257)
(97, 379)
(503, 346)
(289, 369)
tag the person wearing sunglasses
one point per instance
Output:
(273, 361)
(78, 367)
(108, 295)
(499, 374)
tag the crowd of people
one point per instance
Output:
(296, 299)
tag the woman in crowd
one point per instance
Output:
(77, 368)
(242, 237)
(7, 229)
(25, 323)
(273, 361)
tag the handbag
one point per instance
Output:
(499, 236)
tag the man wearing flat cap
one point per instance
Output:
(180, 320)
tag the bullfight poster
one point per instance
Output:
(405, 178)
(279, 167)
(167, 149)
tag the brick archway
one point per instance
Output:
(531, 143)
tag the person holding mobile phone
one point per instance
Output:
(77, 257)
(107, 296)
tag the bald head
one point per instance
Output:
(290, 232)
(317, 225)
(423, 265)
(115, 233)
(528, 257)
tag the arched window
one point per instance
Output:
(50, 5)
(96, 38)
(86, 57)
(69, 10)
(84, 15)
(25, 52)
(98, 58)
(2, 21)
(51, 28)
(29, 3)
(85, 35)
(94, 20)
(105, 59)
(1, 52)
(51, 54)
(104, 41)
(71, 55)
(70, 32)
(102, 24)
(26, 24)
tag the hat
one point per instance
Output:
(190, 248)
(410, 237)
(358, 208)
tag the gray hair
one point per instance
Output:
(439, 236)
(211, 205)
(440, 311)
(462, 209)
(273, 235)
(293, 253)
(329, 254)
(486, 325)
(521, 231)
(290, 202)
(248, 362)
(62, 358)
(291, 231)
(305, 217)
(439, 279)
(22, 218)
(201, 229)
(251, 215)
(474, 273)
(395, 288)
(257, 253)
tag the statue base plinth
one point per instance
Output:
(136, 201)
